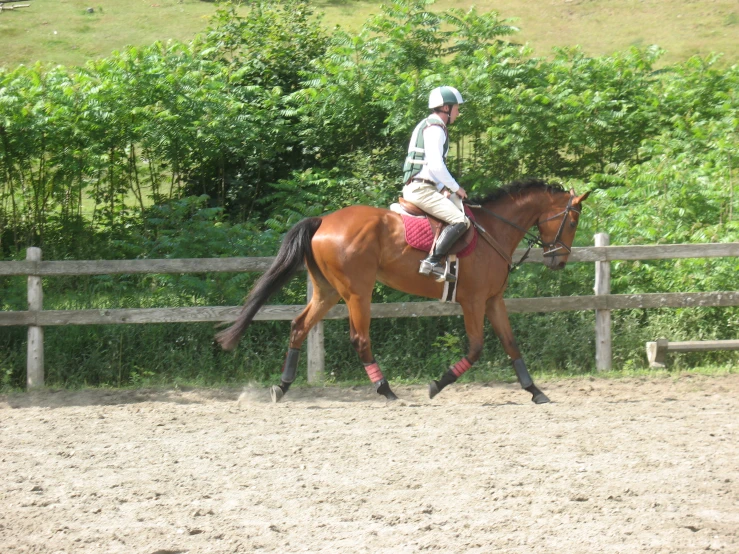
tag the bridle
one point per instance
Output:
(554, 248)
(557, 245)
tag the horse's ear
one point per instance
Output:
(579, 199)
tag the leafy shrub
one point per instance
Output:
(217, 147)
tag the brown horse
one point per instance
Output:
(347, 251)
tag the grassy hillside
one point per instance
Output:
(63, 32)
(682, 27)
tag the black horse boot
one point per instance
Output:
(448, 236)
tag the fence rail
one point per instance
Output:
(36, 318)
(214, 314)
(657, 351)
(224, 265)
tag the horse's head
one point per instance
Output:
(557, 227)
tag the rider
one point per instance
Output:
(428, 183)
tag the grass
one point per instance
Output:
(150, 380)
(63, 32)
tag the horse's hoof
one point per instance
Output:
(383, 388)
(276, 393)
(540, 398)
(434, 389)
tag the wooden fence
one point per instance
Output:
(36, 318)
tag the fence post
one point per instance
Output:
(35, 359)
(603, 352)
(316, 352)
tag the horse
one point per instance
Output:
(348, 250)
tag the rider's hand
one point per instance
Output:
(461, 193)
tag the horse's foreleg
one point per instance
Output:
(321, 302)
(473, 323)
(359, 324)
(498, 316)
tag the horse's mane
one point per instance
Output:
(519, 187)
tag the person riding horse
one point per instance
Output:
(346, 252)
(428, 183)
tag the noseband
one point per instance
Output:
(553, 248)
(556, 246)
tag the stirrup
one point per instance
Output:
(437, 271)
(427, 267)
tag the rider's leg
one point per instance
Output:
(448, 209)
(448, 236)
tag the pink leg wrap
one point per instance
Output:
(373, 371)
(461, 366)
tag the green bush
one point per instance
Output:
(217, 147)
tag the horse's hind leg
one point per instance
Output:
(324, 298)
(359, 324)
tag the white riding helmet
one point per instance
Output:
(444, 95)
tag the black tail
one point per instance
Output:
(296, 246)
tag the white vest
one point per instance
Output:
(416, 152)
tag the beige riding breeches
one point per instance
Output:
(426, 197)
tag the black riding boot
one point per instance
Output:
(449, 235)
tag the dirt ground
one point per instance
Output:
(633, 466)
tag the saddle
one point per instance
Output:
(422, 229)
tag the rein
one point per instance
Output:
(495, 244)
(531, 239)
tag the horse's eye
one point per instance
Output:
(573, 223)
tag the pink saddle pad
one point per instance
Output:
(418, 234)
